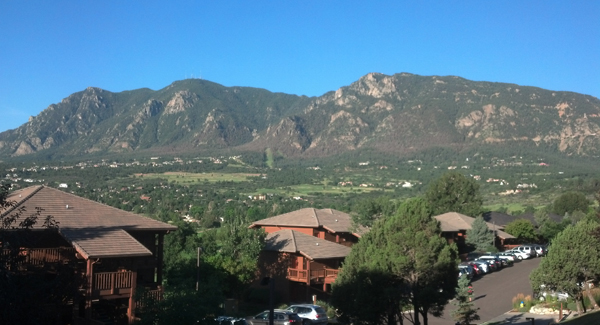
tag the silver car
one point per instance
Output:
(310, 314)
(280, 317)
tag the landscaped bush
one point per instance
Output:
(527, 302)
(328, 309)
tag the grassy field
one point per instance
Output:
(180, 177)
(270, 158)
(308, 190)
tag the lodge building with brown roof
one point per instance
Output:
(116, 252)
(304, 250)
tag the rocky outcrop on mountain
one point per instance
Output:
(397, 114)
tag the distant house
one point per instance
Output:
(305, 248)
(63, 185)
(498, 218)
(114, 250)
(455, 225)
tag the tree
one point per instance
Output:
(466, 312)
(234, 248)
(454, 192)
(480, 235)
(571, 263)
(547, 228)
(522, 229)
(407, 260)
(570, 202)
(365, 212)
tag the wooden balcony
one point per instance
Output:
(42, 256)
(316, 276)
(113, 284)
(297, 275)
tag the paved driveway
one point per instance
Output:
(493, 295)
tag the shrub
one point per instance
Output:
(328, 308)
(527, 302)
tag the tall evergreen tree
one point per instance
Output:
(570, 202)
(466, 312)
(414, 267)
(572, 261)
(454, 192)
(522, 229)
(480, 235)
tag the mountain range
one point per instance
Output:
(398, 115)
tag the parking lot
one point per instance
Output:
(494, 292)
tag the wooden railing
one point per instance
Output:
(328, 275)
(297, 275)
(113, 283)
(40, 256)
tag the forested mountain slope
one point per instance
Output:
(398, 114)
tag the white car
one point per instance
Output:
(519, 254)
(527, 249)
(310, 314)
(557, 295)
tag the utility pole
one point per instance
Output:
(198, 268)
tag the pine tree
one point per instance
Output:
(466, 312)
(480, 235)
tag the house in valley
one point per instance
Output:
(455, 225)
(304, 250)
(114, 252)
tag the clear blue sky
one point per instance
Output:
(51, 49)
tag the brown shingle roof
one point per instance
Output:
(454, 221)
(91, 243)
(291, 241)
(330, 219)
(94, 229)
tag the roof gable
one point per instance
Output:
(333, 220)
(94, 229)
(72, 211)
(291, 241)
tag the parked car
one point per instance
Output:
(509, 259)
(229, 320)
(467, 269)
(478, 270)
(527, 249)
(473, 256)
(544, 294)
(310, 314)
(280, 317)
(491, 264)
(498, 262)
(519, 254)
(511, 255)
(540, 250)
(483, 266)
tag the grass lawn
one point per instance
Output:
(180, 177)
(311, 189)
(270, 158)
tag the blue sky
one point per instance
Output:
(51, 49)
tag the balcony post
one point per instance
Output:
(89, 290)
(131, 309)
(159, 259)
